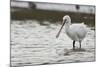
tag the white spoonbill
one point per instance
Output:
(76, 31)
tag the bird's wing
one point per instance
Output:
(79, 29)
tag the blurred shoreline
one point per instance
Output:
(52, 16)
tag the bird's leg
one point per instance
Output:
(74, 45)
(80, 44)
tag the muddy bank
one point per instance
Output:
(52, 16)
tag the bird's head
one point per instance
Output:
(67, 20)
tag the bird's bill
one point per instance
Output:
(60, 29)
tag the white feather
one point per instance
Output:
(76, 31)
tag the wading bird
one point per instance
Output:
(76, 31)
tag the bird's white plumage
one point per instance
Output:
(76, 31)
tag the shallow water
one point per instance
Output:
(33, 44)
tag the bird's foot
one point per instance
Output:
(73, 48)
(79, 49)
